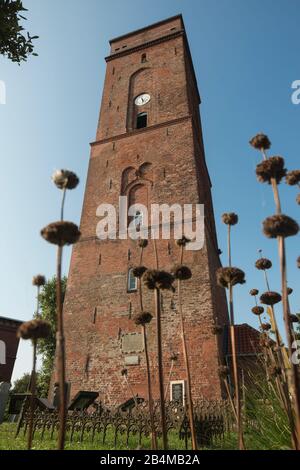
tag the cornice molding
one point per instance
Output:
(145, 45)
(141, 131)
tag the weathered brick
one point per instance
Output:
(98, 309)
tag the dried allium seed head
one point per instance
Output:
(138, 271)
(263, 264)
(155, 279)
(266, 326)
(260, 142)
(38, 280)
(142, 318)
(174, 357)
(181, 272)
(34, 329)
(230, 276)
(257, 310)
(294, 318)
(223, 371)
(65, 179)
(61, 233)
(289, 290)
(253, 292)
(217, 330)
(298, 199)
(183, 241)
(230, 218)
(273, 167)
(298, 262)
(143, 243)
(270, 298)
(124, 372)
(293, 177)
(280, 226)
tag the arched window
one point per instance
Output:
(131, 281)
(144, 58)
(141, 120)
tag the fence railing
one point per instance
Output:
(213, 419)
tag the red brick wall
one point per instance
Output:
(98, 309)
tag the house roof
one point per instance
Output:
(10, 322)
(247, 340)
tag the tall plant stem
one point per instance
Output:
(295, 390)
(155, 253)
(235, 373)
(294, 368)
(229, 245)
(63, 204)
(32, 396)
(150, 398)
(38, 302)
(131, 391)
(169, 380)
(294, 382)
(160, 368)
(60, 346)
(149, 385)
(188, 374)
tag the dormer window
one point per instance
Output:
(141, 120)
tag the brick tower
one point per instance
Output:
(148, 147)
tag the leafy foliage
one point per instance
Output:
(46, 347)
(14, 44)
(21, 385)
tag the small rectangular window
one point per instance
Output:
(177, 391)
(141, 120)
(131, 281)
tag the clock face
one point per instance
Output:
(142, 99)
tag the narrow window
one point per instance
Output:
(87, 364)
(141, 120)
(2, 353)
(144, 58)
(131, 281)
(138, 219)
(177, 391)
(95, 315)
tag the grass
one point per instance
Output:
(8, 441)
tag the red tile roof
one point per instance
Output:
(247, 340)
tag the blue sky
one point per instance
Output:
(245, 57)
